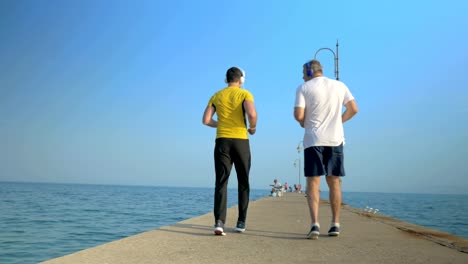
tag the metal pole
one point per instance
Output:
(337, 73)
(299, 149)
(299, 171)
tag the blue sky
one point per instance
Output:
(112, 92)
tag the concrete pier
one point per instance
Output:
(276, 229)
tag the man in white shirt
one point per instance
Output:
(276, 187)
(319, 110)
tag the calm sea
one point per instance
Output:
(43, 221)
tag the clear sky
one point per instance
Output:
(113, 92)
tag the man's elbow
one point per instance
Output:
(299, 114)
(206, 121)
(352, 108)
(252, 115)
(299, 118)
(355, 109)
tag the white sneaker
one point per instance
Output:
(219, 228)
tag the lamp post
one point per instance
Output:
(335, 56)
(297, 163)
(298, 160)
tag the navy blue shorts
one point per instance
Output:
(327, 161)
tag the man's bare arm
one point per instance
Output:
(208, 117)
(351, 110)
(299, 115)
(251, 112)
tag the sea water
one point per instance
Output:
(443, 212)
(43, 221)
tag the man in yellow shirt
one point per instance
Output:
(234, 106)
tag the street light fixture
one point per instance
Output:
(298, 160)
(335, 56)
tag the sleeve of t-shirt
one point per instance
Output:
(300, 100)
(210, 103)
(249, 96)
(348, 96)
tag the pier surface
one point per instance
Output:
(276, 229)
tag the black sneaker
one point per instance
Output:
(219, 228)
(314, 232)
(240, 227)
(334, 231)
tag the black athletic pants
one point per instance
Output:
(230, 151)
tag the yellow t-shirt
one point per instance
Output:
(230, 111)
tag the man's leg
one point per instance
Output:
(334, 185)
(313, 169)
(242, 163)
(313, 197)
(223, 165)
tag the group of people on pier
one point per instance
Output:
(277, 189)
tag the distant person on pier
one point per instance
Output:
(297, 188)
(276, 188)
(318, 109)
(234, 107)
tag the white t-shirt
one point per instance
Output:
(323, 100)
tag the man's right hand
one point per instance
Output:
(252, 131)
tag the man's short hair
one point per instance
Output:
(315, 66)
(234, 74)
